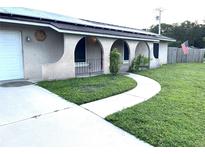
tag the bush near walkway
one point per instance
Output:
(114, 61)
(139, 63)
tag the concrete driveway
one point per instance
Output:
(32, 116)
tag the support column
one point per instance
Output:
(132, 46)
(106, 45)
(154, 63)
(65, 67)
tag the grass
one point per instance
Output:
(83, 90)
(174, 117)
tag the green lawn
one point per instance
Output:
(174, 117)
(83, 90)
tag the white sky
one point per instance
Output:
(132, 13)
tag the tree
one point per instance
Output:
(191, 31)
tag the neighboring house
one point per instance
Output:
(39, 45)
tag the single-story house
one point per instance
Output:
(38, 45)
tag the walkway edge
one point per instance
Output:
(146, 88)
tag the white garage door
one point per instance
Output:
(11, 64)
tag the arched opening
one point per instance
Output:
(124, 51)
(144, 50)
(88, 57)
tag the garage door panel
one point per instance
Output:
(11, 65)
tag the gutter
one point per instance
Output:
(168, 39)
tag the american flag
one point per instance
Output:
(185, 47)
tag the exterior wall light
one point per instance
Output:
(28, 39)
(92, 40)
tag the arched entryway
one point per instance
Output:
(143, 49)
(124, 51)
(88, 57)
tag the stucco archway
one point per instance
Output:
(142, 48)
(88, 56)
(124, 51)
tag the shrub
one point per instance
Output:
(114, 61)
(140, 62)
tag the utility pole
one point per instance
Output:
(160, 10)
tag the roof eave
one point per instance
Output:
(168, 40)
(72, 32)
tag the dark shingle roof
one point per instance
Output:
(75, 24)
(100, 31)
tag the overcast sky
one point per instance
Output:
(132, 13)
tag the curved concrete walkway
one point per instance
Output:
(145, 89)
(33, 116)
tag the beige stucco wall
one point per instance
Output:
(163, 49)
(154, 63)
(142, 49)
(106, 45)
(132, 46)
(65, 67)
(36, 53)
(54, 57)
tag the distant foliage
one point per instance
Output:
(191, 31)
(114, 61)
(140, 62)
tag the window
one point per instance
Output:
(80, 51)
(126, 52)
(156, 50)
